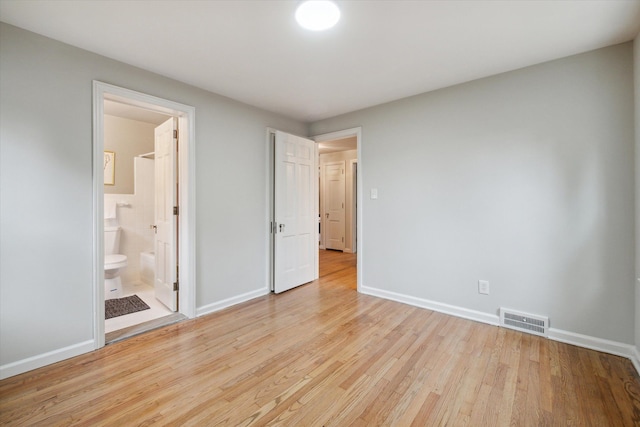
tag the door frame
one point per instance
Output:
(186, 200)
(353, 164)
(269, 182)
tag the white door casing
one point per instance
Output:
(354, 205)
(334, 205)
(165, 219)
(295, 212)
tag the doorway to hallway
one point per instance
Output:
(352, 237)
(340, 153)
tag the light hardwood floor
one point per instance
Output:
(324, 355)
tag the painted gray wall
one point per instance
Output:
(525, 179)
(46, 198)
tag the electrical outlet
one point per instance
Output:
(483, 287)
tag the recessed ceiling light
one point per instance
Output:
(317, 15)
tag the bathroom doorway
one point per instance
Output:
(131, 183)
(131, 192)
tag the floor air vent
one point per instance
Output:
(538, 325)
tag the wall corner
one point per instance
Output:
(636, 117)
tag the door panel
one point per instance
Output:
(334, 205)
(165, 220)
(295, 212)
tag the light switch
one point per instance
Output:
(374, 193)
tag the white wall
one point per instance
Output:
(127, 138)
(525, 179)
(135, 217)
(345, 156)
(46, 198)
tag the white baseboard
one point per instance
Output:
(586, 341)
(220, 305)
(465, 313)
(598, 344)
(35, 362)
(636, 359)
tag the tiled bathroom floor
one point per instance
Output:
(146, 293)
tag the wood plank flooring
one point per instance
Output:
(324, 355)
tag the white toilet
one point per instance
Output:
(113, 262)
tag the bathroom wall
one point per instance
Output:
(127, 138)
(135, 218)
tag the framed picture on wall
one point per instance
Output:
(109, 168)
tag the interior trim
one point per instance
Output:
(40, 360)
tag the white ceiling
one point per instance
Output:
(118, 109)
(344, 144)
(254, 52)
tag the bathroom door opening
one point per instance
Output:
(138, 210)
(139, 201)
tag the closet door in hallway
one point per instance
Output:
(334, 205)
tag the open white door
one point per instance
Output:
(295, 212)
(334, 202)
(166, 281)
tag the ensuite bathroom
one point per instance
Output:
(129, 197)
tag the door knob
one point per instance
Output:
(155, 228)
(281, 227)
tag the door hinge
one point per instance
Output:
(175, 210)
(175, 133)
(176, 285)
